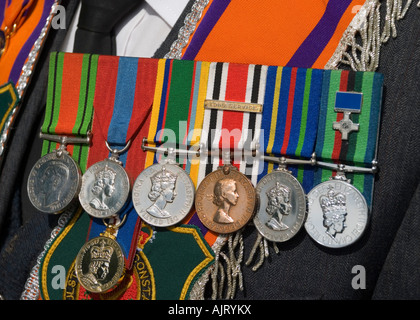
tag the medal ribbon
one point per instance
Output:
(360, 148)
(178, 108)
(123, 98)
(290, 117)
(231, 130)
(69, 111)
(69, 108)
(178, 114)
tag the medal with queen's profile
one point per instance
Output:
(281, 206)
(105, 189)
(225, 200)
(163, 194)
(337, 214)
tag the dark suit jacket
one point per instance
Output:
(388, 253)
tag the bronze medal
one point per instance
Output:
(225, 200)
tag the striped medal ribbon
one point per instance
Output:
(225, 198)
(123, 96)
(55, 180)
(163, 193)
(338, 205)
(289, 126)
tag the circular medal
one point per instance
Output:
(225, 200)
(54, 182)
(281, 206)
(337, 214)
(105, 189)
(163, 194)
(99, 264)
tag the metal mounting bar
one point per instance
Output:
(348, 169)
(287, 161)
(66, 139)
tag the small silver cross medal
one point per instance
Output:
(348, 103)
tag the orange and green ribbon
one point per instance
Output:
(69, 108)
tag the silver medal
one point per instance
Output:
(163, 194)
(337, 214)
(281, 206)
(53, 182)
(105, 187)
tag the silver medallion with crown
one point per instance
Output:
(163, 194)
(105, 187)
(337, 213)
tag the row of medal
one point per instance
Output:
(334, 213)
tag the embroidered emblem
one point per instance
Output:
(347, 103)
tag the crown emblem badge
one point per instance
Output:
(101, 252)
(334, 210)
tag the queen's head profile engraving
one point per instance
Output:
(334, 210)
(51, 183)
(162, 192)
(103, 188)
(225, 196)
(278, 206)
